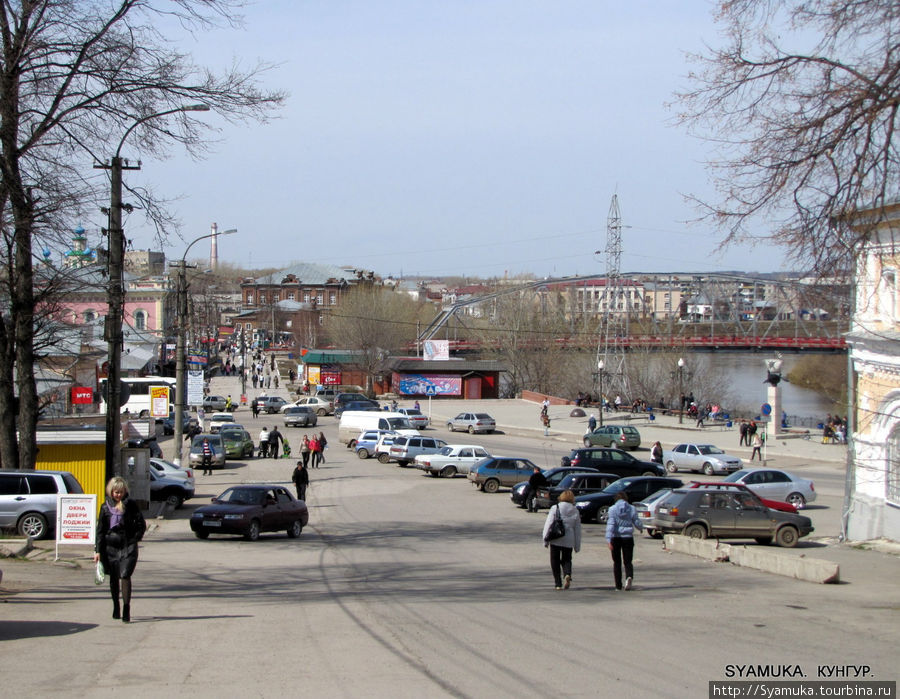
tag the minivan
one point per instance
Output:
(28, 500)
(353, 422)
(405, 449)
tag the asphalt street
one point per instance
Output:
(404, 585)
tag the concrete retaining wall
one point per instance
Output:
(760, 557)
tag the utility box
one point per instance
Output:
(136, 468)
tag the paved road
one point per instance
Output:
(410, 586)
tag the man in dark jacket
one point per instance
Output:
(275, 438)
(537, 480)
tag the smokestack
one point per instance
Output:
(214, 249)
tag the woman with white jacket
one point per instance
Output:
(561, 548)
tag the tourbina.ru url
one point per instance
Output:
(801, 688)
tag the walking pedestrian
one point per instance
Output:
(305, 450)
(206, 455)
(656, 453)
(314, 451)
(546, 420)
(254, 408)
(275, 438)
(301, 479)
(743, 431)
(119, 529)
(757, 446)
(592, 423)
(263, 443)
(561, 549)
(323, 444)
(620, 524)
(537, 480)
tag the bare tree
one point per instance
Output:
(375, 321)
(76, 76)
(802, 105)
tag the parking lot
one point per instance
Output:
(405, 585)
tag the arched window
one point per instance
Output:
(887, 295)
(893, 467)
(89, 316)
(249, 297)
(140, 320)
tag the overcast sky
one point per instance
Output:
(456, 137)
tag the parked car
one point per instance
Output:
(646, 511)
(249, 510)
(594, 507)
(775, 484)
(28, 500)
(356, 406)
(368, 440)
(168, 423)
(328, 394)
(218, 420)
(300, 416)
(472, 423)
(553, 476)
(451, 459)
(404, 449)
(611, 460)
(195, 458)
(173, 491)
(214, 403)
(170, 470)
(270, 404)
(707, 458)
(238, 442)
(621, 436)
(723, 485)
(342, 399)
(416, 418)
(495, 471)
(320, 404)
(578, 483)
(701, 513)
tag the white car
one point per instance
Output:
(706, 458)
(416, 418)
(452, 459)
(166, 468)
(218, 420)
(775, 484)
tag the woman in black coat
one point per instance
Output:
(119, 529)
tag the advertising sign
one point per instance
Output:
(436, 349)
(195, 388)
(313, 375)
(82, 395)
(76, 519)
(427, 384)
(159, 401)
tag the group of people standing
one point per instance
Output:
(621, 522)
(312, 450)
(751, 437)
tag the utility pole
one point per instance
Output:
(613, 333)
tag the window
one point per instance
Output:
(887, 295)
(262, 298)
(140, 320)
(319, 299)
(893, 467)
(42, 485)
(332, 297)
(290, 296)
(249, 297)
(305, 297)
(89, 316)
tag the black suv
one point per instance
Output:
(553, 476)
(729, 515)
(578, 483)
(613, 461)
(594, 507)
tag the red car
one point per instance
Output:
(719, 485)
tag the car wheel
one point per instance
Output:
(384, 458)
(294, 530)
(655, 534)
(787, 537)
(362, 453)
(797, 500)
(765, 540)
(491, 485)
(602, 514)
(708, 469)
(351, 444)
(33, 525)
(174, 500)
(586, 442)
(671, 467)
(321, 412)
(448, 471)
(471, 429)
(252, 533)
(433, 474)
(403, 463)
(201, 534)
(450, 426)
(649, 473)
(695, 531)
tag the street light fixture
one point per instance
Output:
(599, 376)
(680, 373)
(180, 359)
(116, 294)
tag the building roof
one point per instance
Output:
(310, 273)
(455, 366)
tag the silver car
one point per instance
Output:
(707, 458)
(218, 450)
(472, 423)
(28, 500)
(300, 416)
(775, 484)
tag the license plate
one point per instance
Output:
(212, 523)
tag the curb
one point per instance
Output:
(815, 570)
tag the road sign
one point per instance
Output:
(431, 390)
(766, 409)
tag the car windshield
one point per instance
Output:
(653, 497)
(446, 451)
(232, 434)
(413, 411)
(242, 496)
(736, 476)
(709, 449)
(617, 486)
(482, 416)
(398, 423)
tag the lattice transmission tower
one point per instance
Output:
(615, 309)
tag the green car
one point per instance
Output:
(238, 444)
(618, 436)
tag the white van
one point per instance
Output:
(355, 421)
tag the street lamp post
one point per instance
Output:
(599, 375)
(116, 296)
(180, 359)
(680, 373)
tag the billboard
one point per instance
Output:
(427, 384)
(436, 349)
